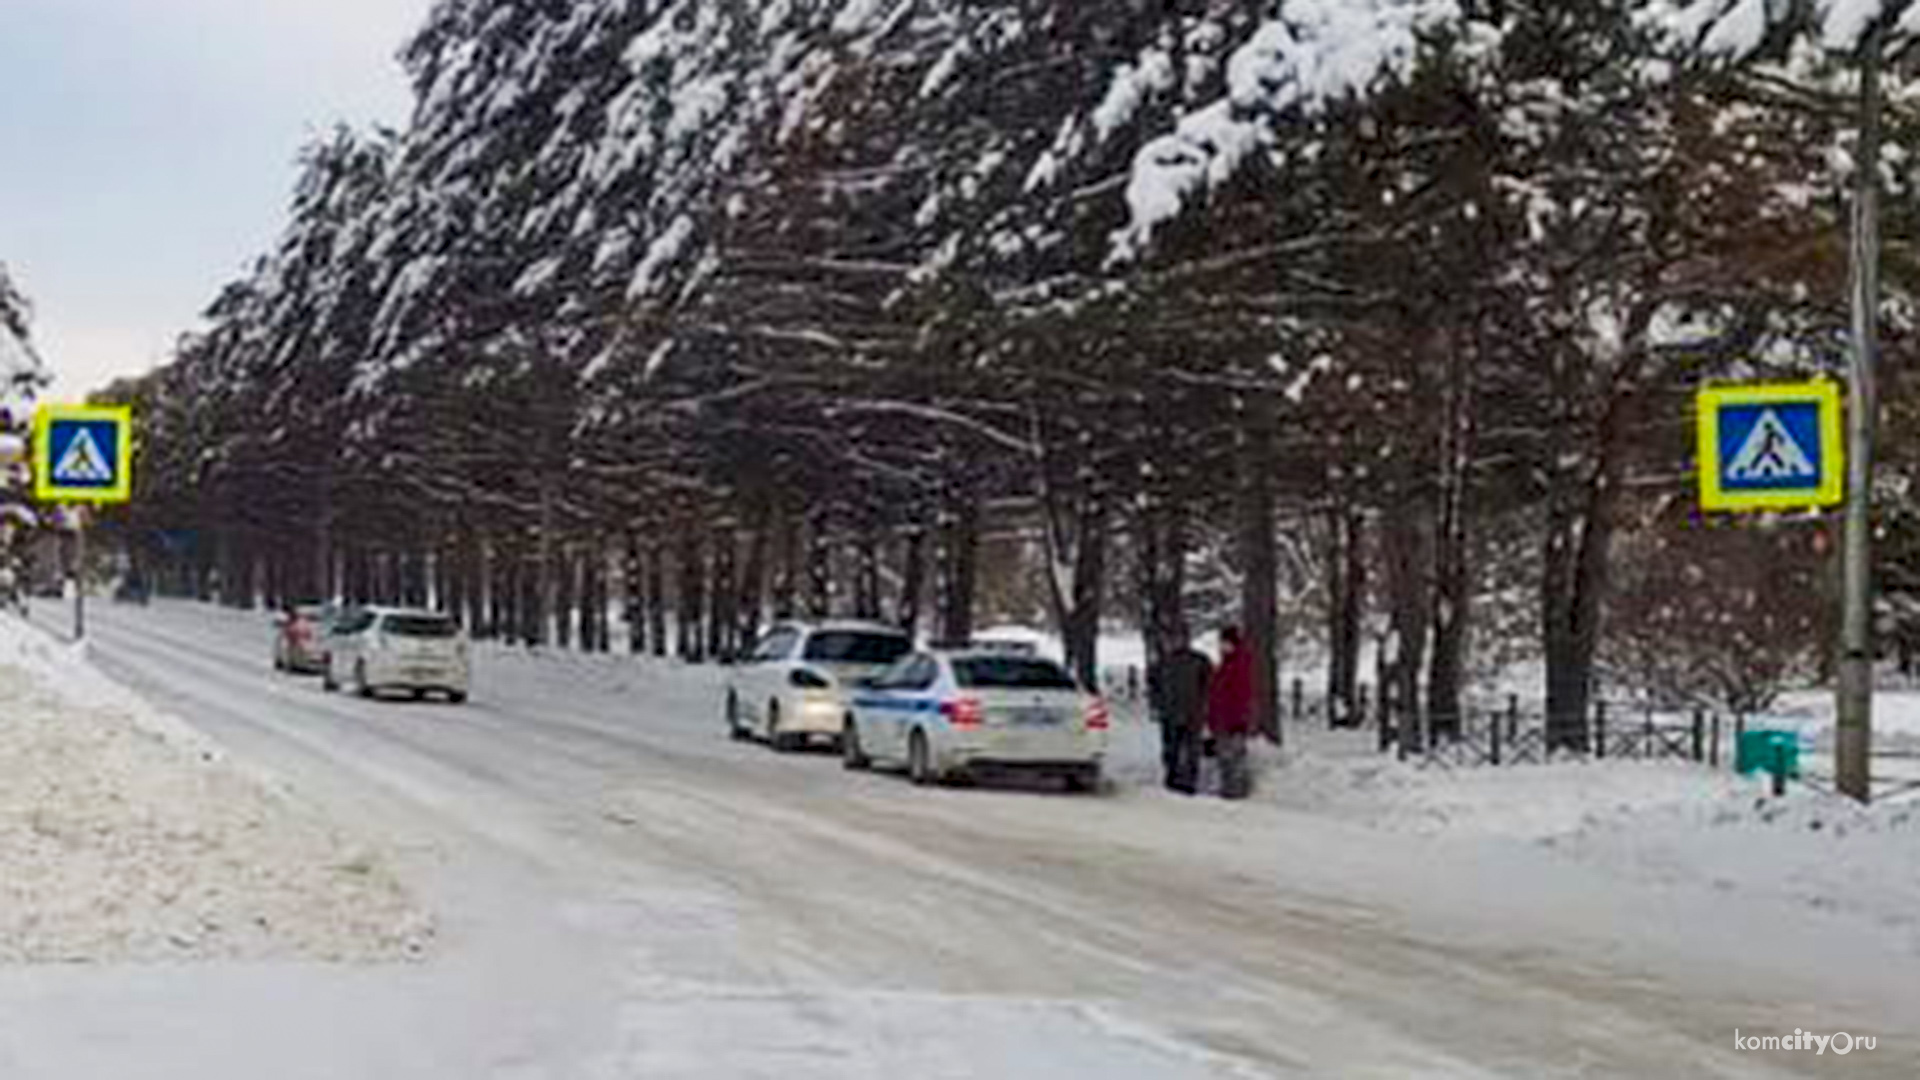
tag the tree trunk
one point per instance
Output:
(1076, 580)
(691, 601)
(1162, 570)
(1347, 585)
(597, 595)
(479, 575)
(1260, 587)
(325, 589)
(1576, 559)
(634, 582)
(593, 603)
(566, 576)
(959, 569)
(786, 583)
(819, 569)
(602, 600)
(1452, 588)
(913, 581)
(500, 623)
(1073, 520)
(532, 621)
(657, 600)
(418, 589)
(866, 589)
(1582, 554)
(1407, 561)
(753, 586)
(722, 619)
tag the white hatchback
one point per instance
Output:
(378, 649)
(944, 716)
(794, 686)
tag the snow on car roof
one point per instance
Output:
(844, 626)
(375, 609)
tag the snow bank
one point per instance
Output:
(1338, 774)
(1814, 850)
(126, 837)
(1666, 825)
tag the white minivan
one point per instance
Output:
(379, 649)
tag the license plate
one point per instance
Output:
(1034, 718)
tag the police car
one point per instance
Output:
(948, 714)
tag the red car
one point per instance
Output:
(300, 640)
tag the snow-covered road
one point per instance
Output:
(624, 893)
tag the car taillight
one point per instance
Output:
(1097, 717)
(963, 712)
(809, 680)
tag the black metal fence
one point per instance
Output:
(1509, 733)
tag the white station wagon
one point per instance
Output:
(946, 715)
(794, 687)
(379, 649)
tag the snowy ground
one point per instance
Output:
(126, 838)
(624, 893)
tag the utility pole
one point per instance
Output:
(1853, 735)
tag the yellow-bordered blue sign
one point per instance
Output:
(1771, 446)
(83, 454)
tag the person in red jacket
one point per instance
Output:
(1230, 714)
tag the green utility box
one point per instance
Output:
(1772, 751)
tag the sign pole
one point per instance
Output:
(80, 575)
(1853, 733)
(82, 458)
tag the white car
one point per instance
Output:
(794, 687)
(945, 715)
(378, 649)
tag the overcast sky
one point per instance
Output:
(147, 152)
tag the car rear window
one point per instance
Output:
(853, 647)
(421, 626)
(1010, 673)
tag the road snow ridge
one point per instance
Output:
(126, 836)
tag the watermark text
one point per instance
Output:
(1839, 1042)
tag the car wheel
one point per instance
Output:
(779, 740)
(734, 729)
(1085, 780)
(919, 760)
(419, 695)
(851, 755)
(457, 697)
(360, 681)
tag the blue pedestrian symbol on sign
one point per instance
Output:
(1770, 447)
(82, 454)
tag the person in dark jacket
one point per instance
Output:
(1230, 714)
(1179, 691)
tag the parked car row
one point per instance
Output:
(940, 714)
(375, 650)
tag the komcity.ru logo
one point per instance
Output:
(1839, 1042)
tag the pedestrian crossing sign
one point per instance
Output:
(1771, 446)
(83, 454)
